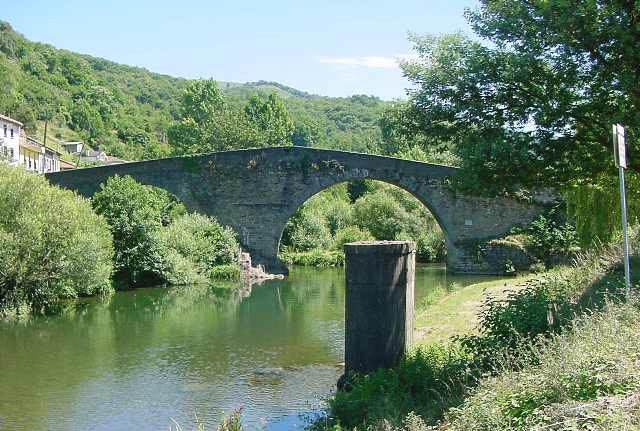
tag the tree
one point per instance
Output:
(532, 103)
(271, 118)
(53, 247)
(136, 213)
(209, 124)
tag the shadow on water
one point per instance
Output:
(146, 356)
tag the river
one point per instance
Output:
(147, 357)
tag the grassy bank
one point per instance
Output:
(555, 346)
(445, 314)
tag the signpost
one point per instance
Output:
(620, 155)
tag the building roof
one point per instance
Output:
(67, 165)
(11, 120)
(30, 144)
(113, 161)
(39, 144)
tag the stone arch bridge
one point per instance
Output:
(256, 191)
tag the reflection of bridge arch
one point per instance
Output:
(256, 191)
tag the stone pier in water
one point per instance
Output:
(379, 304)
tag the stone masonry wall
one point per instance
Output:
(257, 191)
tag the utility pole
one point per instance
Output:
(44, 155)
(620, 155)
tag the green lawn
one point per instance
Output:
(457, 312)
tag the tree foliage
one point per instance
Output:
(534, 100)
(52, 245)
(363, 210)
(136, 213)
(208, 123)
(155, 240)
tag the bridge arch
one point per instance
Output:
(256, 191)
(296, 206)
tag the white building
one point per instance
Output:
(73, 147)
(37, 157)
(10, 133)
(19, 149)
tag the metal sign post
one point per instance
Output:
(620, 155)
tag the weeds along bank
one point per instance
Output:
(56, 246)
(560, 353)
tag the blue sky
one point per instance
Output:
(330, 47)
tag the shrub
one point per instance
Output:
(52, 245)
(306, 230)
(380, 214)
(547, 304)
(135, 214)
(547, 237)
(195, 245)
(350, 234)
(316, 257)
(202, 239)
(230, 272)
(517, 338)
(597, 358)
(426, 382)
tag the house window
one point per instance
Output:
(12, 132)
(5, 130)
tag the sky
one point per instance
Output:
(329, 47)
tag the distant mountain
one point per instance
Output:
(126, 110)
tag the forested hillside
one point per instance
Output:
(127, 111)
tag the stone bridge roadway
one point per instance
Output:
(256, 191)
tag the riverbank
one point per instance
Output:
(446, 313)
(515, 353)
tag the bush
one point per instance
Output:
(430, 245)
(350, 234)
(380, 214)
(426, 382)
(229, 272)
(596, 359)
(547, 304)
(547, 237)
(194, 246)
(306, 231)
(136, 213)
(316, 257)
(52, 245)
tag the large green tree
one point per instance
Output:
(208, 123)
(531, 99)
(271, 118)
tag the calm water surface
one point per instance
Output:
(145, 357)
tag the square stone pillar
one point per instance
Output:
(379, 303)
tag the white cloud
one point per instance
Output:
(372, 62)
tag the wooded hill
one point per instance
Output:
(127, 110)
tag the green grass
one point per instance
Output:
(586, 378)
(455, 312)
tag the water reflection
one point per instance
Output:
(142, 357)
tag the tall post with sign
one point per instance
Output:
(620, 155)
